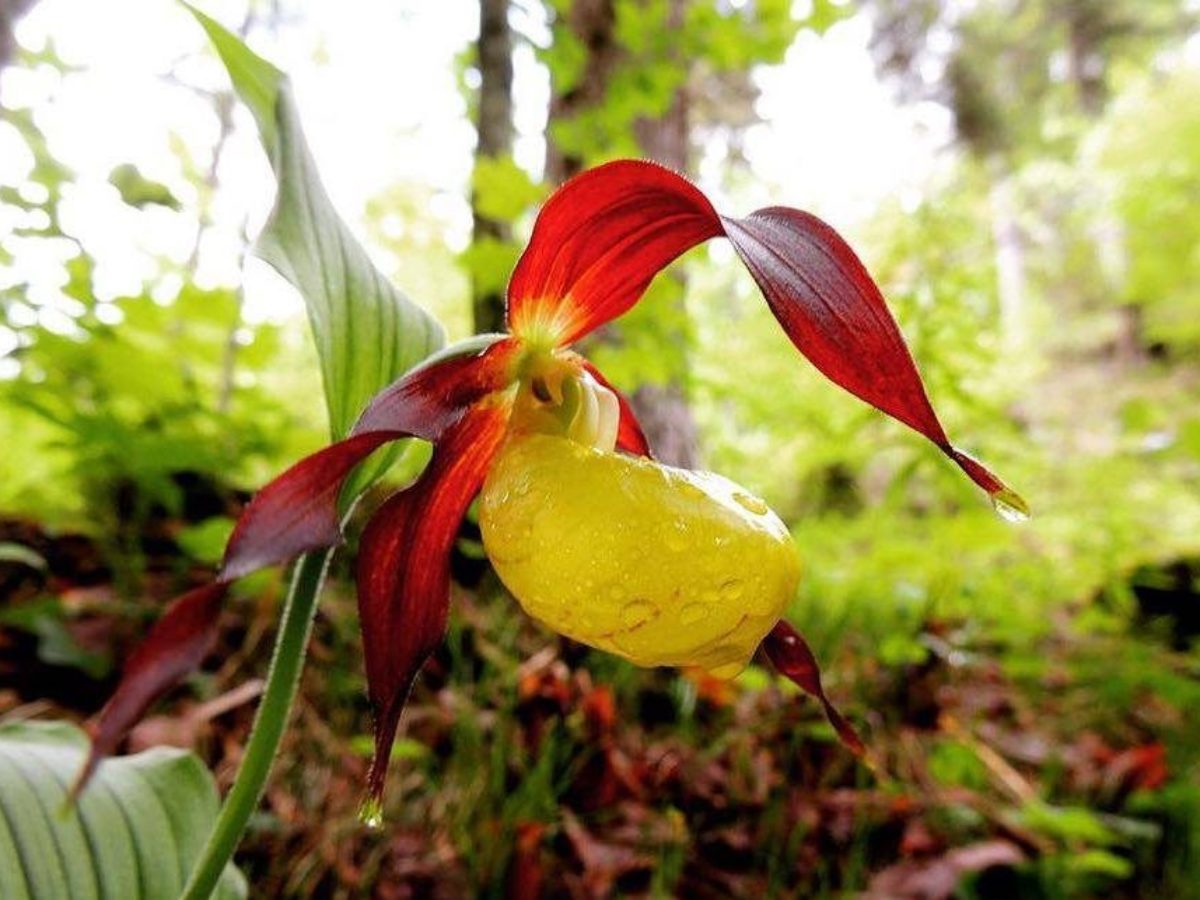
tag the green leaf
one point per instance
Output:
(136, 831)
(367, 333)
(19, 553)
(503, 190)
(47, 621)
(138, 190)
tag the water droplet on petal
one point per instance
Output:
(1010, 506)
(751, 504)
(371, 813)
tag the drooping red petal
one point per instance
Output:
(630, 437)
(297, 513)
(176, 645)
(792, 657)
(834, 313)
(404, 567)
(597, 244)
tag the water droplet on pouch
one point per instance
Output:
(732, 589)
(751, 504)
(676, 539)
(637, 612)
(693, 613)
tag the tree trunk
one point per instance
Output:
(593, 23)
(661, 408)
(494, 125)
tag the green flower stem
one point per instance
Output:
(273, 711)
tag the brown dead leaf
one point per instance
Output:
(937, 879)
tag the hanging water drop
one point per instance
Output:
(371, 813)
(1010, 506)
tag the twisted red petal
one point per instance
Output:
(597, 244)
(791, 655)
(630, 437)
(834, 313)
(404, 567)
(176, 645)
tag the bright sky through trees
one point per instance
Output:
(378, 86)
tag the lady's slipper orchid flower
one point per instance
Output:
(660, 565)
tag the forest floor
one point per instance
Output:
(531, 766)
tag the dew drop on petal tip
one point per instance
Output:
(371, 813)
(1010, 506)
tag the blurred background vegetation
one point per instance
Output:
(1027, 692)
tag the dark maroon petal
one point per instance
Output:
(790, 654)
(176, 645)
(432, 396)
(834, 313)
(630, 436)
(597, 244)
(298, 511)
(404, 568)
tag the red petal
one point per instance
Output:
(432, 396)
(404, 568)
(790, 654)
(176, 645)
(834, 313)
(630, 437)
(597, 244)
(298, 511)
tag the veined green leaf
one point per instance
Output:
(135, 833)
(366, 331)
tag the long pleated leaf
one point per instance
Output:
(136, 833)
(366, 331)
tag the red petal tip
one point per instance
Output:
(793, 658)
